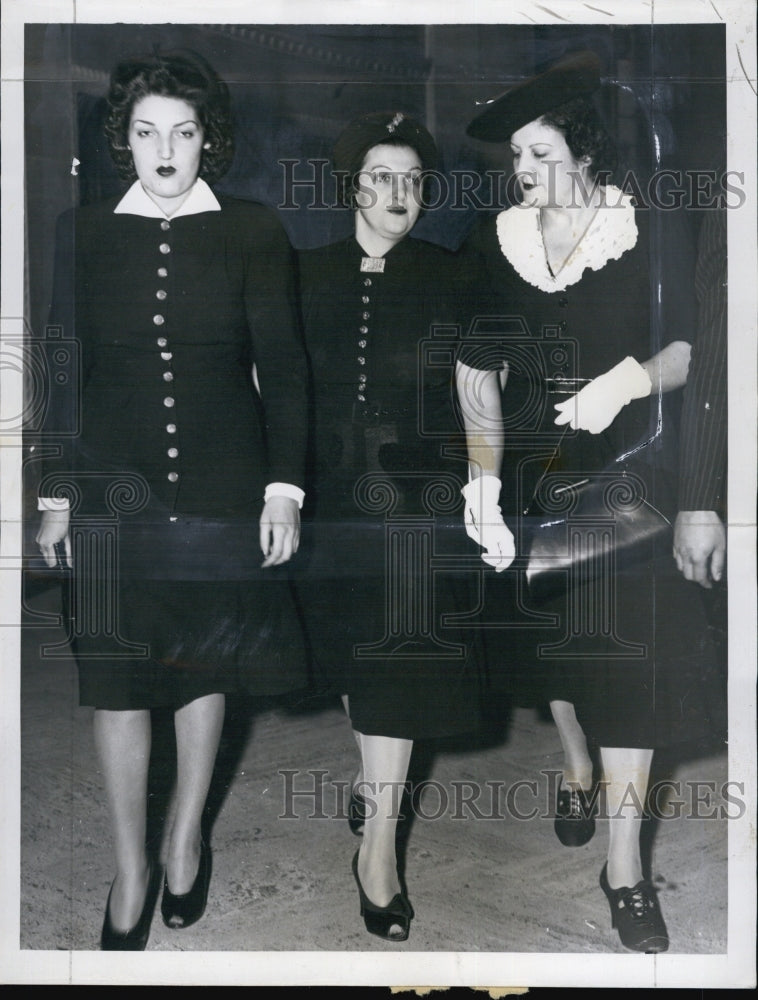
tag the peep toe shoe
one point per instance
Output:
(186, 909)
(380, 920)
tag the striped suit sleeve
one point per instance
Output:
(703, 453)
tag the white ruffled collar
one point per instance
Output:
(610, 234)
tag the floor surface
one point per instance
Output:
(485, 872)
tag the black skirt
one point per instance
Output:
(389, 605)
(165, 610)
(647, 670)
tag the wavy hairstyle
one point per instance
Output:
(586, 136)
(181, 74)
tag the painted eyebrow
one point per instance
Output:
(144, 121)
(381, 166)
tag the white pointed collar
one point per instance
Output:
(137, 201)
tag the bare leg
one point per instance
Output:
(198, 731)
(626, 772)
(123, 745)
(577, 766)
(359, 776)
(385, 768)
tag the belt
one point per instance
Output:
(560, 386)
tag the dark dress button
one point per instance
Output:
(172, 477)
(362, 329)
(158, 320)
(367, 282)
(160, 294)
(164, 248)
(161, 342)
(169, 401)
(172, 452)
(168, 376)
(162, 272)
(165, 224)
(171, 428)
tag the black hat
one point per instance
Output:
(371, 130)
(575, 75)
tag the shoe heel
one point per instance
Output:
(136, 938)
(356, 813)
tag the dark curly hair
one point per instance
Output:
(586, 136)
(181, 74)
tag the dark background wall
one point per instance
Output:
(294, 88)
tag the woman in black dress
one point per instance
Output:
(193, 423)
(375, 605)
(574, 261)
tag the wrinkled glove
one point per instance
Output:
(597, 405)
(484, 522)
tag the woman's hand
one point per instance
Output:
(54, 530)
(484, 522)
(280, 530)
(597, 405)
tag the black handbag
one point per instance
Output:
(590, 527)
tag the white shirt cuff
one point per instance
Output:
(52, 503)
(285, 490)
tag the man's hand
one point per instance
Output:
(700, 546)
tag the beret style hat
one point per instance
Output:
(572, 76)
(373, 129)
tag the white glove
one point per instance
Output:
(597, 405)
(484, 522)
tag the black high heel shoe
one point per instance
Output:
(636, 915)
(574, 822)
(187, 908)
(380, 920)
(356, 812)
(136, 938)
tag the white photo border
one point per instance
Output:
(734, 969)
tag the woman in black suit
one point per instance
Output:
(193, 420)
(375, 607)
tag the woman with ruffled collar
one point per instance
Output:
(571, 367)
